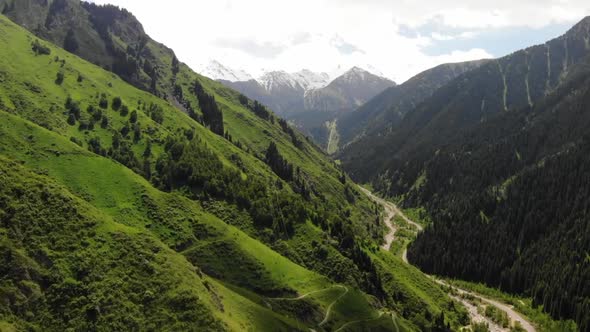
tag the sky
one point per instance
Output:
(394, 38)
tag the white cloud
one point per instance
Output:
(321, 34)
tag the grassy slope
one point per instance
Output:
(105, 266)
(170, 217)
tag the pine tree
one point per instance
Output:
(71, 43)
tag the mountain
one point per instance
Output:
(347, 92)
(498, 159)
(311, 80)
(511, 82)
(130, 189)
(289, 94)
(515, 215)
(389, 107)
(219, 72)
(311, 101)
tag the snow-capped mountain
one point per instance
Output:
(278, 80)
(310, 80)
(219, 72)
(288, 94)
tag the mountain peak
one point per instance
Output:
(581, 28)
(311, 80)
(356, 74)
(278, 79)
(217, 71)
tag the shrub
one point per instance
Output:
(117, 102)
(124, 110)
(133, 117)
(105, 122)
(71, 119)
(40, 49)
(103, 103)
(59, 79)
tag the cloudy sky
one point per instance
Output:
(399, 38)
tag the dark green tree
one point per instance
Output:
(116, 103)
(71, 43)
(133, 117)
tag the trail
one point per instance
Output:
(328, 311)
(327, 317)
(301, 297)
(513, 315)
(359, 321)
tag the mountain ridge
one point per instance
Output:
(510, 82)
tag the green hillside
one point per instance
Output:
(174, 224)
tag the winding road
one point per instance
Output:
(393, 210)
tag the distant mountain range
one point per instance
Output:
(289, 94)
(311, 101)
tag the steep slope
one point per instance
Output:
(269, 182)
(62, 260)
(512, 82)
(346, 92)
(515, 213)
(388, 108)
(172, 222)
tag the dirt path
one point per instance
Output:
(513, 315)
(390, 212)
(328, 311)
(327, 317)
(359, 321)
(301, 297)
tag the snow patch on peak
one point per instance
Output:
(310, 80)
(217, 71)
(278, 79)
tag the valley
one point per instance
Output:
(463, 296)
(142, 192)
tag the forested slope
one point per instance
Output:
(518, 80)
(510, 202)
(386, 110)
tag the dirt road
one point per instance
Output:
(392, 210)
